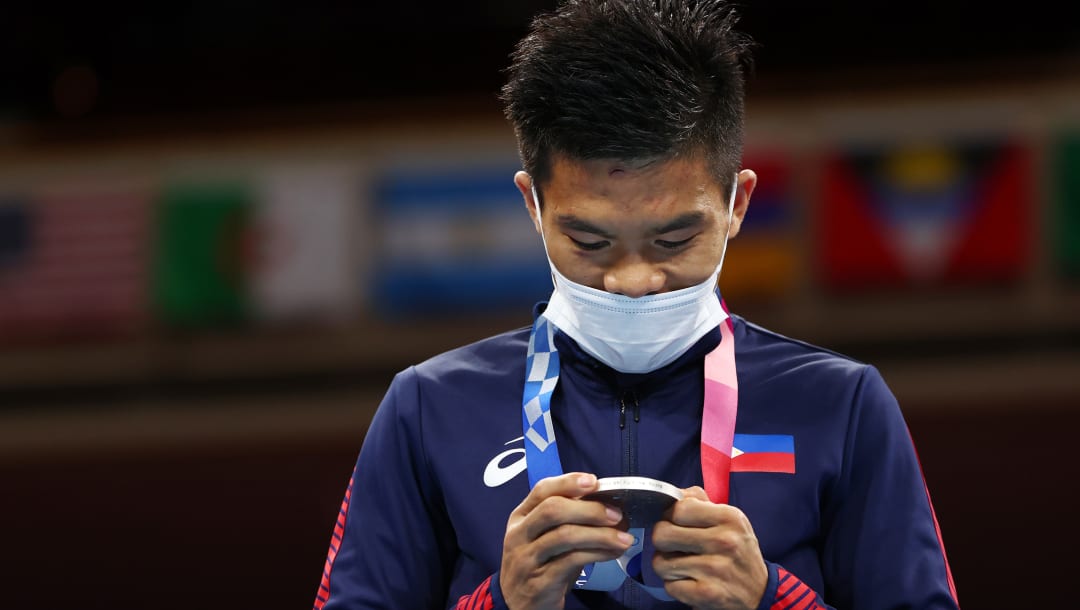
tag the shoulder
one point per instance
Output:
(498, 356)
(819, 376)
(446, 390)
(775, 353)
(814, 388)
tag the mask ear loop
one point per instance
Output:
(543, 238)
(539, 218)
(730, 212)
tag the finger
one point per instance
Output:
(569, 565)
(569, 485)
(694, 512)
(694, 593)
(557, 510)
(678, 565)
(569, 539)
(695, 492)
(728, 539)
(675, 539)
(725, 582)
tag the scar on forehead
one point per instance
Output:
(620, 168)
(623, 168)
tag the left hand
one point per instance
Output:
(708, 555)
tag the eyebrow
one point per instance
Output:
(573, 223)
(683, 221)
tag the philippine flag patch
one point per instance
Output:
(763, 453)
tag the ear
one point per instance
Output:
(747, 181)
(524, 182)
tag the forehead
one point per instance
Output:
(631, 186)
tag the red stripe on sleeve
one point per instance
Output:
(793, 594)
(787, 582)
(797, 594)
(339, 529)
(479, 600)
(807, 603)
(937, 528)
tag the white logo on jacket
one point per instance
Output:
(497, 473)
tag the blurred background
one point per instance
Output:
(224, 226)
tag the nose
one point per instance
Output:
(634, 279)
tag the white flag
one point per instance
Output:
(306, 220)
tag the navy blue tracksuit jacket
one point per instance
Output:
(443, 465)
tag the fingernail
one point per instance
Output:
(586, 481)
(626, 538)
(614, 514)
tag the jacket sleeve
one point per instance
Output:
(785, 591)
(487, 596)
(393, 546)
(882, 547)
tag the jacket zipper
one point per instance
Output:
(629, 431)
(628, 426)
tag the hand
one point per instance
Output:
(551, 536)
(708, 555)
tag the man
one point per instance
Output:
(470, 487)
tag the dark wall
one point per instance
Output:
(204, 55)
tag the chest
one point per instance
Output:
(655, 434)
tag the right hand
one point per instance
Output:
(551, 536)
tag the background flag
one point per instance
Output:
(304, 265)
(762, 260)
(73, 262)
(455, 241)
(1066, 215)
(203, 256)
(939, 214)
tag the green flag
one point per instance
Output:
(204, 237)
(1066, 222)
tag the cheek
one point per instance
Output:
(686, 277)
(698, 264)
(576, 266)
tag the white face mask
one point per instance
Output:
(635, 335)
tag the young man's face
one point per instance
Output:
(636, 229)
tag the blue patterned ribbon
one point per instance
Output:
(542, 454)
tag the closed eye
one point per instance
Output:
(674, 245)
(591, 246)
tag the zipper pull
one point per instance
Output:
(637, 408)
(622, 412)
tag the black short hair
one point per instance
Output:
(630, 80)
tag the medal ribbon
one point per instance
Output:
(717, 434)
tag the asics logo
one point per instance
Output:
(498, 472)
